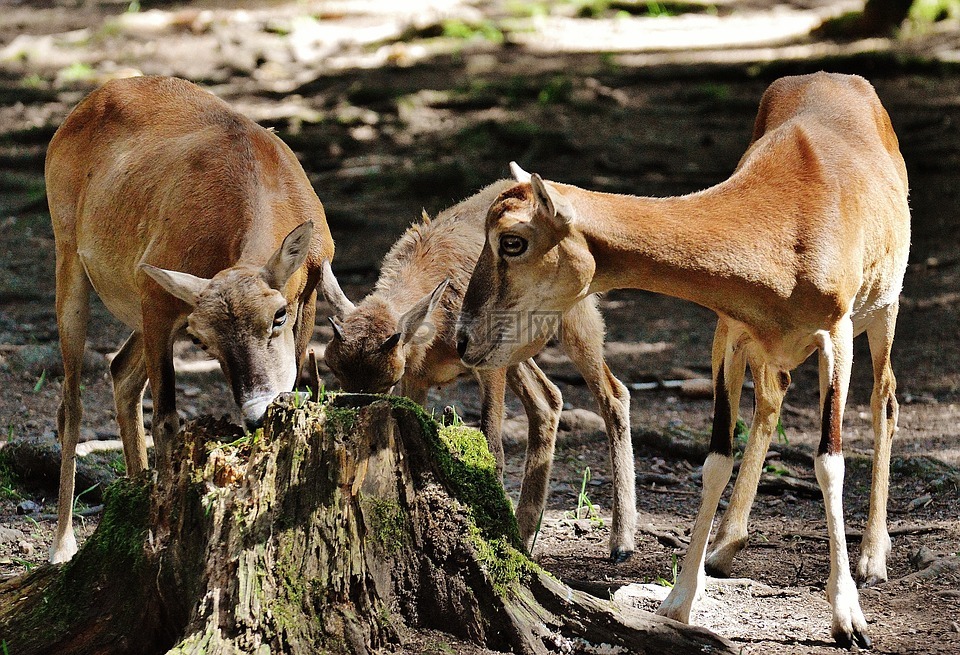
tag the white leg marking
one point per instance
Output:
(692, 579)
(848, 621)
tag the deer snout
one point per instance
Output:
(254, 409)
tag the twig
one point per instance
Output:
(314, 374)
(666, 538)
(89, 511)
(857, 536)
(664, 490)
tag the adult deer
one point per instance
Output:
(801, 249)
(404, 333)
(181, 214)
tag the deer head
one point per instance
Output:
(533, 268)
(243, 319)
(371, 342)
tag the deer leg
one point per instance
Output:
(716, 473)
(158, 356)
(731, 535)
(492, 389)
(836, 356)
(73, 313)
(415, 392)
(129, 373)
(303, 330)
(872, 567)
(582, 337)
(542, 403)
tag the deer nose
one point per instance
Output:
(253, 423)
(462, 342)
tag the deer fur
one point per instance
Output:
(802, 248)
(186, 218)
(403, 334)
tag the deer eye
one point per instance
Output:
(280, 317)
(511, 245)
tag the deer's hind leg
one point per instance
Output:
(836, 357)
(732, 533)
(872, 567)
(582, 338)
(73, 313)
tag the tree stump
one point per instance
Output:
(342, 527)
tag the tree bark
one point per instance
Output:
(344, 527)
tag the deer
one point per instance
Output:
(402, 335)
(803, 247)
(187, 219)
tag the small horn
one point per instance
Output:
(337, 328)
(518, 173)
(333, 293)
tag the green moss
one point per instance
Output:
(114, 552)
(388, 523)
(287, 606)
(506, 566)
(470, 474)
(339, 420)
(123, 527)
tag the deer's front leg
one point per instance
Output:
(542, 403)
(582, 337)
(493, 384)
(716, 473)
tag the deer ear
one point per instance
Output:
(289, 256)
(518, 173)
(391, 342)
(416, 315)
(551, 204)
(184, 286)
(333, 293)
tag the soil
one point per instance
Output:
(393, 109)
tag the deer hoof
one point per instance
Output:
(620, 555)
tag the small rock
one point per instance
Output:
(581, 421)
(582, 527)
(190, 391)
(26, 548)
(955, 626)
(923, 558)
(28, 507)
(922, 501)
(9, 535)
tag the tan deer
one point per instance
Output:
(404, 333)
(801, 249)
(182, 215)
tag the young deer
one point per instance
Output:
(801, 249)
(181, 214)
(404, 333)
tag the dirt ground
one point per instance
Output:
(396, 109)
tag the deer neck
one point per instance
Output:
(700, 247)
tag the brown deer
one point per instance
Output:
(802, 248)
(183, 216)
(404, 334)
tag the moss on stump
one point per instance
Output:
(343, 527)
